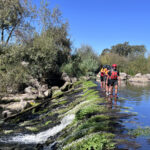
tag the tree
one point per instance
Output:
(128, 50)
(89, 60)
(14, 17)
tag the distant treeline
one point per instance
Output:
(129, 58)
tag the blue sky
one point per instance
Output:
(103, 23)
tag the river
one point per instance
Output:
(137, 98)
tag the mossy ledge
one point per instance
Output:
(91, 128)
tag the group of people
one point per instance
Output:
(110, 78)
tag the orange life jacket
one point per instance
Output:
(102, 72)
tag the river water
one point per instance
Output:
(137, 98)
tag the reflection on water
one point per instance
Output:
(137, 98)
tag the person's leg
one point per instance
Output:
(108, 86)
(102, 82)
(116, 89)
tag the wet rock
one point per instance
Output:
(65, 77)
(123, 76)
(30, 90)
(55, 88)
(139, 79)
(73, 80)
(19, 97)
(48, 93)
(18, 106)
(146, 76)
(43, 88)
(34, 82)
(138, 75)
(40, 95)
(6, 113)
(8, 131)
(66, 86)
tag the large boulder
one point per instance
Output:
(73, 79)
(65, 77)
(34, 82)
(123, 76)
(30, 90)
(140, 78)
(18, 106)
(138, 75)
(146, 76)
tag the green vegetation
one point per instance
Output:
(96, 141)
(92, 126)
(83, 62)
(130, 58)
(140, 131)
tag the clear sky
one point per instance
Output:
(103, 23)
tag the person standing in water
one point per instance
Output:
(114, 78)
(102, 76)
(107, 79)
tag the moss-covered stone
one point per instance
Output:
(48, 122)
(57, 93)
(140, 131)
(34, 129)
(7, 131)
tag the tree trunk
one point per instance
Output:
(10, 35)
(2, 36)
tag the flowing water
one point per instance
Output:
(49, 120)
(137, 98)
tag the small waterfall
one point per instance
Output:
(42, 136)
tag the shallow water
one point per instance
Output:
(137, 98)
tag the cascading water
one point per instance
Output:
(42, 136)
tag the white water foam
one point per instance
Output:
(42, 136)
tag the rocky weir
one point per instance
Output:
(78, 119)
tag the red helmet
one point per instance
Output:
(114, 65)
